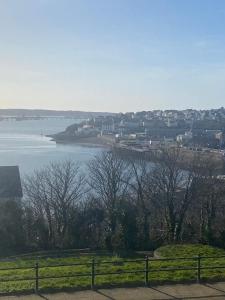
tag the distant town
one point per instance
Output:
(196, 130)
(190, 129)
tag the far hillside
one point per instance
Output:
(51, 113)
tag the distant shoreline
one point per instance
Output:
(99, 142)
(27, 113)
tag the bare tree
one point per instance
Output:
(53, 192)
(140, 185)
(109, 180)
(38, 203)
(209, 209)
(174, 190)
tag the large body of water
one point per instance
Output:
(23, 143)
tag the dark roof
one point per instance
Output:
(10, 183)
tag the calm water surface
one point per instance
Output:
(24, 143)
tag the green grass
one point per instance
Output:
(188, 250)
(136, 263)
(51, 267)
(192, 251)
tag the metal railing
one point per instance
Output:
(92, 269)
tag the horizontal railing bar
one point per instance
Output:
(65, 276)
(45, 277)
(212, 267)
(16, 268)
(109, 273)
(64, 265)
(17, 279)
(114, 273)
(120, 273)
(211, 257)
(172, 269)
(121, 262)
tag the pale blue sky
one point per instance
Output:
(112, 55)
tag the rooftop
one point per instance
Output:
(10, 183)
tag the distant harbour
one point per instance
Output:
(26, 144)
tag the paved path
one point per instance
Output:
(179, 291)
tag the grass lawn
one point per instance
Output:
(52, 267)
(210, 257)
(188, 250)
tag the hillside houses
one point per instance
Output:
(194, 128)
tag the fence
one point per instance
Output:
(195, 264)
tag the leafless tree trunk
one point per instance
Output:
(140, 190)
(175, 190)
(109, 180)
(53, 192)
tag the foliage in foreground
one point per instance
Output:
(117, 203)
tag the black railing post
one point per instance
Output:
(93, 274)
(198, 268)
(36, 277)
(146, 270)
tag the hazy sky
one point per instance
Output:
(112, 55)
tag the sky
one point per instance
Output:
(112, 55)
